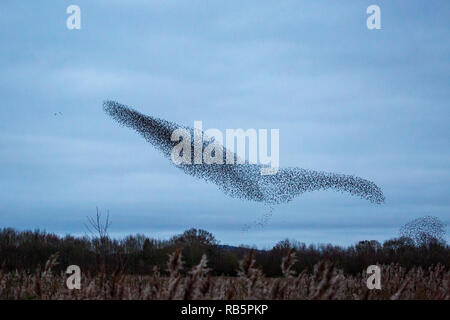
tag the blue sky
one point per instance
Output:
(372, 103)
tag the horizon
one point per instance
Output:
(167, 237)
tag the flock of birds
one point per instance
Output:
(244, 180)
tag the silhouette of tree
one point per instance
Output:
(194, 236)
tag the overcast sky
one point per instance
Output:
(373, 103)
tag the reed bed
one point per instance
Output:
(325, 282)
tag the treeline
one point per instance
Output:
(139, 254)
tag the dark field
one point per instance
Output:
(194, 266)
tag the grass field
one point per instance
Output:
(325, 282)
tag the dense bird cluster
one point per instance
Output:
(242, 181)
(424, 229)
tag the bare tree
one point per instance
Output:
(100, 239)
(96, 227)
(424, 230)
